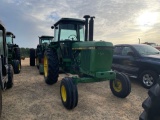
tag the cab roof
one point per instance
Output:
(1, 25)
(45, 36)
(66, 20)
(9, 33)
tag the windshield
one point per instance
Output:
(146, 50)
(9, 39)
(46, 41)
(74, 32)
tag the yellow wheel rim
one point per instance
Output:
(45, 66)
(63, 93)
(117, 85)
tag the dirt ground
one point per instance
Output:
(32, 99)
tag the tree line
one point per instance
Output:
(25, 52)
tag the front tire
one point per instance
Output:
(121, 86)
(69, 93)
(51, 67)
(148, 78)
(151, 104)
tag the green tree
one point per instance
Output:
(25, 52)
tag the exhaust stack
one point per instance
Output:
(86, 26)
(91, 28)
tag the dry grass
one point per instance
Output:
(31, 99)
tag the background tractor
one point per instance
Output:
(6, 70)
(38, 54)
(74, 53)
(14, 56)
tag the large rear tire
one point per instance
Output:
(10, 76)
(32, 57)
(69, 93)
(16, 66)
(121, 86)
(51, 66)
(37, 62)
(151, 105)
(0, 98)
(18, 54)
(41, 69)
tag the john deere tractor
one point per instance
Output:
(14, 56)
(6, 70)
(44, 41)
(38, 54)
(87, 60)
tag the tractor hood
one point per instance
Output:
(92, 45)
(95, 57)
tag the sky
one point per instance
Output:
(117, 21)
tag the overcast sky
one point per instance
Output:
(117, 21)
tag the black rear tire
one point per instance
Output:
(10, 76)
(16, 66)
(51, 66)
(151, 104)
(32, 57)
(18, 54)
(121, 87)
(0, 99)
(37, 62)
(40, 69)
(69, 93)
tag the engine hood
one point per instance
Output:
(153, 57)
(92, 45)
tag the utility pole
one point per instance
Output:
(139, 40)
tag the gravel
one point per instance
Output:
(32, 99)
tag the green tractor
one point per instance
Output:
(38, 54)
(14, 56)
(44, 41)
(6, 70)
(87, 60)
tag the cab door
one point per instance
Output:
(125, 60)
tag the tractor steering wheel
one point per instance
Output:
(72, 37)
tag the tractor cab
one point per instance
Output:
(66, 32)
(69, 29)
(3, 50)
(45, 39)
(6, 70)
(9, 37)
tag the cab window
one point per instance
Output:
(126, 50)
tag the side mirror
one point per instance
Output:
(52, 27)
(14, 36)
